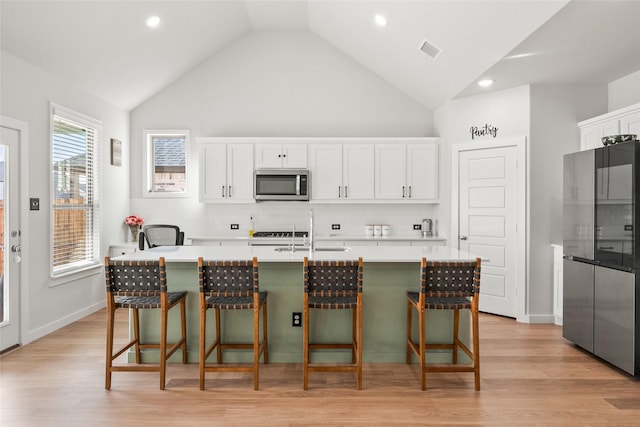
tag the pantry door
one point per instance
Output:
(11, 132)
(489, 183)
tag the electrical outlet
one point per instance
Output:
(628, 227)
(235, 226)
(296, 319)
(335, 226)
(417, 226)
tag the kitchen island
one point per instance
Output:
(389, 272)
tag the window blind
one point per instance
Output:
(75, 213)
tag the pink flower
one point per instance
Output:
(133, 220)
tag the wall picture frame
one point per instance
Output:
(116, 152)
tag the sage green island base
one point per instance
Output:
(384, 316)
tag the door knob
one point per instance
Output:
(16, 248)
(463, 237)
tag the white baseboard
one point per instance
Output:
(542, 318)
(30, 336)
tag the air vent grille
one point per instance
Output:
(431, 50)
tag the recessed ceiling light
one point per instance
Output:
(153, 21)
(485, 82)
(380, 20)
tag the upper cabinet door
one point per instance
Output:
(630, 124)
(276, 155)
(240, 173)
(268, 156)
(422, 171)
(226, 173)
(391, 167)
(294, 156)
(357, 171)
(213, 172)
(325, 165)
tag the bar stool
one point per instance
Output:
(446, 285)
(140, 285)
(334, 285)
(231, 285)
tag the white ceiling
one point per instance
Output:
(104, 47)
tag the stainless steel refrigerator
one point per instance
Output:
(601, 298)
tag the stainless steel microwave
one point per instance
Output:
(281, 184)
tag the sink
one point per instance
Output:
(306, 248)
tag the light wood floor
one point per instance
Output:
(530, 376)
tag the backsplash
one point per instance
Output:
(202, 220)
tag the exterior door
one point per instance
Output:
(487, 222)
(10, 235)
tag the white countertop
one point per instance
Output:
(269, 254)
(329, 237)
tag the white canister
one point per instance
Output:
(386, 230)
(368, 230)
(377, 230)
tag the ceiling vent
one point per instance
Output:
(430, 50)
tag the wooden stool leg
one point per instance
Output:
(256, 346)
(476, 348)
(109, 355)
(305, 344)
(359, 343)
(409, 327)
(264, 333)
(183, 320)
(136, 333)
(203, 335)
(423, 350)
(163, 346)
(218, 336)
(456, 325)
(354, 334)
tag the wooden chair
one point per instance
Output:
(453, 285)
(333, 285)
(137, 285)
(231, 285)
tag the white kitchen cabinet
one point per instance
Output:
(423, 171)
(630, 123)
(275, 155)
(123, 249)
(406, 172)
(557, 284)
(226, 172)
(391, 171)
(623, 121)
(341, 172)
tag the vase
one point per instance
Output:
(135, 230)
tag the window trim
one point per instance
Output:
(95, 124)
(147, 169)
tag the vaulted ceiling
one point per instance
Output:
(104, 47)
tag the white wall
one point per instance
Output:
(508, 110)
(624, 92)
(547, 116)
(278, 83)
(26, 93)
(555, 112)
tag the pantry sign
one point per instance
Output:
(487, 129)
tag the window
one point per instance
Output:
(166, 173)
(75, 219)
